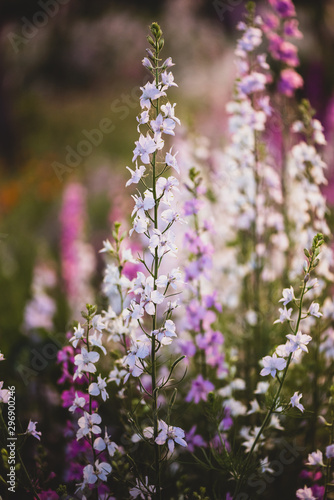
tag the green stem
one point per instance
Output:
(154, 325)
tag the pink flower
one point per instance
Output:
(284, 8)
(289, 81)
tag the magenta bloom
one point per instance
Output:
(284, 8)
(289, 81)
(200, 389)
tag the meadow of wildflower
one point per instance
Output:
(167, 318)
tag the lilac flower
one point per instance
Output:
(163, 125)
(299, 341)
(31, 429)
(99, 387)
(100, 470)
(150, 93)
(288, 295)
(200, 389)
(254, 82)
(167, 80)
(4, 394)
(170, 434)
(271, 364)
(144, 147)
(79, 402)
(88, 424)
(169, 111)
(166, 333)
(314, 310)
(144, 490)
(194, 440)
(315, 458)
(171, 161)
(285, 315)
(136, 175)
(294, 401)
(85, 362)
(330, 451)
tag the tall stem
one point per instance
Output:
(154, 325)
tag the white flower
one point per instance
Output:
(165, 333)
(167, 80)
(143, 118)
(285, 315)
(139, 225)
(314, 310)
(163, 125)
(98, 323)
(171, 216)
(271, 364)
(99, 387)
(144, 490)
(261, 388)
(305, 494)
(254, 407)
(78, 402)
(107, 247)
(136, 175)
(315, 458)
(235, 407)
(78, 335)
(88, 424)
(163, 241)
(143, 205)
(4, 394)
(294, 401)
(85, 362)
(169, 112)
(264, 466)
(288, 295)
(144, 147)
(116, 375)
(171, 161)
(150, 93)
(100, 471)
(299, 341)
(96, 341)
(170, 434)
(31, 429)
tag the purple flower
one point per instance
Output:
(284, 8)
(194, 440)
(192, 207)
(200, 389)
